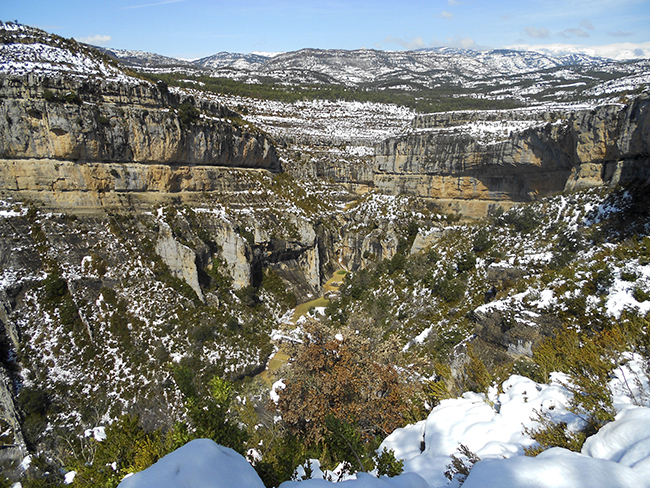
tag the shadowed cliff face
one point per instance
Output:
(516, 156)
(98, 121)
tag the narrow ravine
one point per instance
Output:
(280, 358)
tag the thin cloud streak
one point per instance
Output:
(415, 43)
(574, 32)
(620, 34)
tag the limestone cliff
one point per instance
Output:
(180, 259)
(94, 120)
(516, 156)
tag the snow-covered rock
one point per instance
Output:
(199, 464)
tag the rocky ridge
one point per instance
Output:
(495, 74)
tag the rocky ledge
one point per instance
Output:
(97, 121)
(514, 156)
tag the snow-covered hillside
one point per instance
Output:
(26, 50)
(148, 305)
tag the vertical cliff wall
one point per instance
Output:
(100, 121)
(516, 155)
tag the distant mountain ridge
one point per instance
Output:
(377, 63)
(525, 76)
(495, 78)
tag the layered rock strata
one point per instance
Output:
(516, 156)
(98, 121)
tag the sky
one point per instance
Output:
(191, 29)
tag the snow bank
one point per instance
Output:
(199, 464)
(489, 425)
(364, 480)
(625, 441)
(555, 468)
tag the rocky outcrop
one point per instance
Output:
(180, 259)
(13, 446)
(511, 156)
(99, 121)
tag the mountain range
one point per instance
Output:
(495, 73)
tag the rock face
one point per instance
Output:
(98, 121)
(516, 156)
(70, 184)
(180, 259)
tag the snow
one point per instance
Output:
(364, 480)
(199, 464)
(278, 385)
(490, 425)
(98, 433)
(555, 468)
(621, 296)
(625, 441)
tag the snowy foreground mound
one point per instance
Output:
(491, 426)
(198, 464)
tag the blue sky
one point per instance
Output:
(196, 28)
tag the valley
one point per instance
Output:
(305, 280)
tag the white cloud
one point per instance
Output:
(415, 43)
(446, 15)
(620, 51)
(542, 33)
(96, 40)
(453, 3)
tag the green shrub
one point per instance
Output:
(460, 466)
(589, 360)
(126, 449)
(629, 276)
(49, 96)
(272, 282)
(103, 120)
(55, 287)
(467, 262)
(72, 97)
(68, 97)
(551, 434)
(35, 404)
(388, 464)
(482, 241)
(641, 295)
(187, 114)
(449, 288)
(523, 219)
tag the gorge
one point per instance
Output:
(156, 237)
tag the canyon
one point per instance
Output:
(146, 228)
